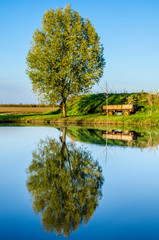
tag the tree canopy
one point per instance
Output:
(65, 183)
(65, 57)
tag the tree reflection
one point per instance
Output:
(65, 183)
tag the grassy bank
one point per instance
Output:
(88, 110)
(136, 119)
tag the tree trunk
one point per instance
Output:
(64, 135)
(63, 147)
(64, 108)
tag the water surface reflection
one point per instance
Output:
(65, 183)
(140, 138)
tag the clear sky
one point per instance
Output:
(129, 31)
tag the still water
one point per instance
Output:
(78, 183)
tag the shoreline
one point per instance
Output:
(83, 120)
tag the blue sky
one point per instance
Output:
(129, 31)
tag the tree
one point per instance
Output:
(65, 57)
(65, 183)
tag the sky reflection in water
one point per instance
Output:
(129, 207)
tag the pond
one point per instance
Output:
(79, 183)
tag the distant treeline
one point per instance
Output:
(28, 105)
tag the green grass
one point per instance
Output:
(136, 119)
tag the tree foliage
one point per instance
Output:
(65, 57)
(65, 183)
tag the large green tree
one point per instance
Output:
(65, 57)
(65, 183)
